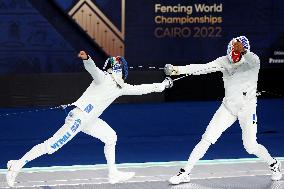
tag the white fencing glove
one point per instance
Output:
(168, 82)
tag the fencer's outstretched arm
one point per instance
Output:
(97, 74)
(147, 88)
(195, 69)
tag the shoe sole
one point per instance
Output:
(178, 183)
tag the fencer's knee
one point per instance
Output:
(252, 148)
(111, 139)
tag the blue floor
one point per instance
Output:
(146, 133)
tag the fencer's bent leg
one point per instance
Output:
(101, 130)
(248, 122)
(72, 126)
(221, 120)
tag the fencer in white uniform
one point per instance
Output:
(240, 69)
(104, 89)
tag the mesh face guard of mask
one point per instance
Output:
(117, 65)
(236, 56)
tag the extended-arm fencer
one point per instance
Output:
(240, 69)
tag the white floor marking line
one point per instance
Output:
(32, 181)
(137, 165)
(133, 181)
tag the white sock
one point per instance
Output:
(197, 153)
(109, 151)
(34, 153)
(263, 154)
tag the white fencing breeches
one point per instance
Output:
(247, 117)
(221, 121)
(248, 122)
(75, 122)
(101, 130)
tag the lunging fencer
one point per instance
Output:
(105, 88)
(240, 69)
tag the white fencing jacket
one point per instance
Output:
(240, 80)
(104, 90)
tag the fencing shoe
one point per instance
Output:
(13, 171)
(276, 170)
(181, 177)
